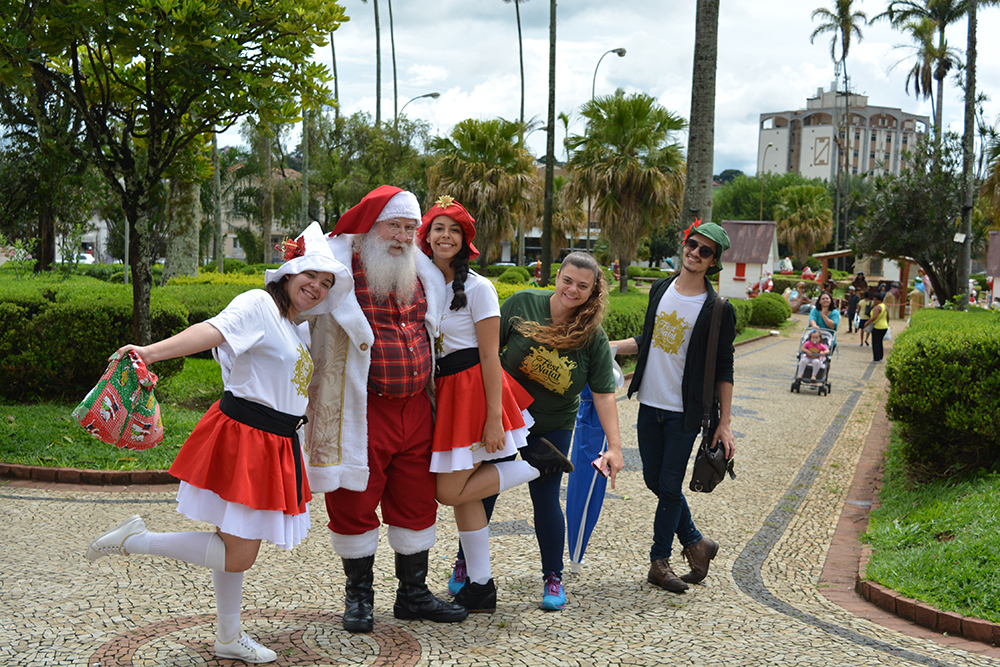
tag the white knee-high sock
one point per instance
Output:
(228, 602)
(476, 545)
(198, 548)
(515, 473)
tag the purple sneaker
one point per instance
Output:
(553, 597)
(458, 577)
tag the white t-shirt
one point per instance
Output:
(458, 327)
(675, 318)
(265, 358)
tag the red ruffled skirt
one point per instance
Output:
(461, 415)
(241, 464)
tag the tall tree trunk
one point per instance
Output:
(336, 84)
(378, 69)
(184, 225)
(550, 153)
(140, 215)
(268, 212)
(939, 114)
(968, 158)
(520, 52)
(220, 239)
(701, 127)
(305, 168)
(395, 82)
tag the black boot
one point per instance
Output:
(359, 597)
(413, 600)
(546, 458)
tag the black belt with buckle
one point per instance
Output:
(456, 362)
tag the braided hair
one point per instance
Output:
(460, 263)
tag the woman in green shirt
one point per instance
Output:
(552, 343)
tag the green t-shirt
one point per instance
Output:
(554, 378)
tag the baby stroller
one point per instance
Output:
(821, 381)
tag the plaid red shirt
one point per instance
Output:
(401, 356)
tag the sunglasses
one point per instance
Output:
(702, 249)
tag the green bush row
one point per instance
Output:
(769, 309)
(744, 309)
(945, 391)
(515, 275)
(781, 283)
(57, 334)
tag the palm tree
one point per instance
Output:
(805, 219)
(701, 132)
(942, 13)
(921, 73)
(844, 23)
(395, 80)
(630, 162)
(483, 165)
(378, 65)
(520, 48)
(568, 217)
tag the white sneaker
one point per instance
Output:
(244, 649)
(112, 541)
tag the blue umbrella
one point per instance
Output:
(585, 486)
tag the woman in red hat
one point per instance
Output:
(481, 410)
(241, 468)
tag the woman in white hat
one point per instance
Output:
(241, 468)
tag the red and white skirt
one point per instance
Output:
(461, 415)
(242, 480)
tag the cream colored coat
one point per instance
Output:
(336, 436)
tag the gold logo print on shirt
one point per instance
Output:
(303, 371)
(668, 334)
(548, 369)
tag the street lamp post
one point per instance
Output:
(620, 52)
(434, 95)
(762, 172)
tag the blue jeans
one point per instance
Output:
(665, 448)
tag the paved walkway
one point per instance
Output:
(761, 604)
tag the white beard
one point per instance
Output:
(388, 274)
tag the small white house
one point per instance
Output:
(753, 252)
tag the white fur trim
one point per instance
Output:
(355, 546)
(409, 542)
(402, 205)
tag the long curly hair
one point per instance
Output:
(587, 318)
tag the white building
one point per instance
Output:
(805, 141)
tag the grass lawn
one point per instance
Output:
(938, 542)
(45, 434)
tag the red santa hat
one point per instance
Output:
(382, 203)
(446, 205)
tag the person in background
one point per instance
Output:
(241, 468)
(852, 307)
(880, 320)
(864, 312)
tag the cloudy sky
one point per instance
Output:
(467, 51)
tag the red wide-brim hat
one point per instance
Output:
(447, 206)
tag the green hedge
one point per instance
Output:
(514, 275)
(744, 309)
(945, 393)
(206, 300)
(770, 310)
(624, 316)
(57, 335)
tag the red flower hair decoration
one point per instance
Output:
(687, 232)
(292, 249)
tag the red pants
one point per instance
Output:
(399, 470)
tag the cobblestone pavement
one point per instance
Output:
(761, 603)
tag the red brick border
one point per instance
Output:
(45, 474)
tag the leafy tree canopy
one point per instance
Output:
(727, 176)
(740, 200)
(917, 214)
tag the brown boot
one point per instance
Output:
(661, 575)
(698, 556)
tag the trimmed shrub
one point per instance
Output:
(58, 335)
(744, 309)
(625, 314)
(945, 391)
(770, 310)
(513, 276)
(102, 272)
(228, 266)
(206, 300)
(119, 275)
